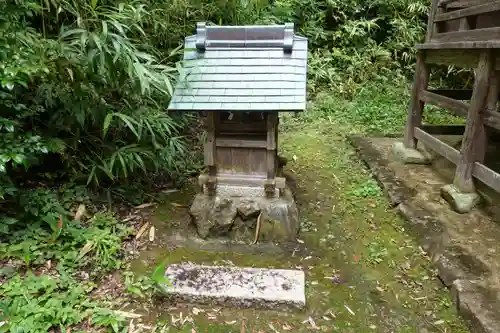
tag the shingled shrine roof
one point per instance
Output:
(242, 68)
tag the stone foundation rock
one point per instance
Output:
(236, 216)
(460, 202)
(410, 156)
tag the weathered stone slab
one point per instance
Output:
(477, 304)
(463, 247)
(237, 287)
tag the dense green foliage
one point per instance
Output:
(83, 90)
(85, 84)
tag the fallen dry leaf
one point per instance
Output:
(272, 327)
(86, 249)
(243, 328)
(349, 309)
(126, 314)
(152, 234)
(141, 230)
(80, 212)
(287, 327)
(178, 205)
(313, 324)
(145, 205)
(197, 311)
(232, 322)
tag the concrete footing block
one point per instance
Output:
(409, 155)
(236, 287)
(459, 201)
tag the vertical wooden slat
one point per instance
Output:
(270, 185)
(210, 144)
(464, 24)
(271, 145)
(210, 152)
(474, 130)
(433, 28)
(416, 107)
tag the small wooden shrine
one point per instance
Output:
(239, 78)
(466, 34)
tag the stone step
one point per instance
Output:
(236, 287)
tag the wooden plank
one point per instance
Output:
(433, 45)
(454, 4)
(486, 35)
(474, 130)
(416, 105)
(240, 143)
(458, 94)
(443, 149)
(457, 107)
(470, 11)
(238, 180)
(271, 130)
(480, 171)
(491, 108)
(210, 144)
(462, 58)
(443, 129)
(464, 24)
(271, 145)
(435, 27)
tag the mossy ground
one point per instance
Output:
(364, 273)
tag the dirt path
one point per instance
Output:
(363, 272)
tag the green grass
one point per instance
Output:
(364, 273)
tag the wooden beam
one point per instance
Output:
(270, 185)
(416, 105)
(491, 108)
(460, 3)
(443, 129)
(210, 152)
(226, 179)
(240, 143)
(484, 35)
(210, 144)
(475, 134)
(443, 149)
(458, 94)
(457, 107)
(475, 10)
(431, 27)
(480, 171)
(436, 45)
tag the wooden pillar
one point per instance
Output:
(433, 28)
(491, 106)
(416, 107)
(272, 122)
(475, 137)
(210, 151)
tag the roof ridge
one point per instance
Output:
(245, 36)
